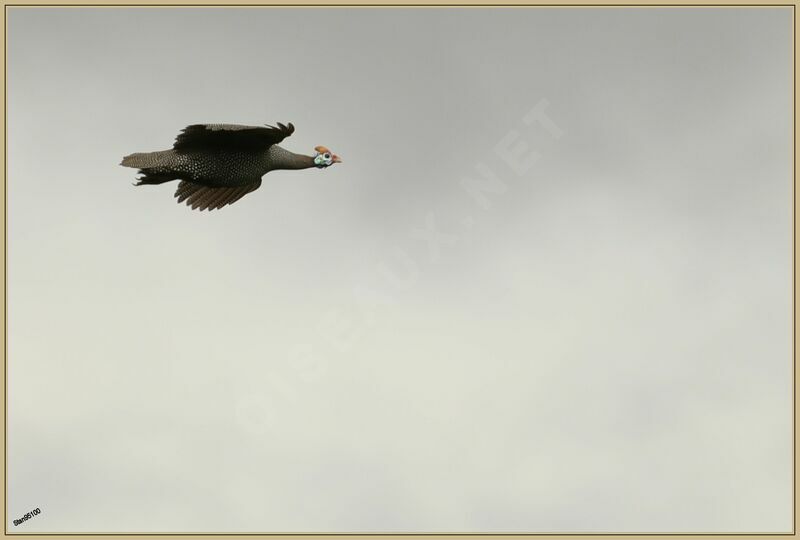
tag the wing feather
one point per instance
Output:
(210, 198)
(199, 137)
(218, 197)
(185, 189)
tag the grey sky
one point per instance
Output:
(598, 342)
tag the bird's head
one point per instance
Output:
(325, 158)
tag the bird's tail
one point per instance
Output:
(153, 166)
(147, 160)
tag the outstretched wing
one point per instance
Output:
(199, 137)
(204, 197)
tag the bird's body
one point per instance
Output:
(218, 164)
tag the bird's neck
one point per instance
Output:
(284, 159)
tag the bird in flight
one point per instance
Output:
(218, 164)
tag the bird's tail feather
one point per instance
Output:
(154, 167)
(146, 160)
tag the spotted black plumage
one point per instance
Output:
(218, 164)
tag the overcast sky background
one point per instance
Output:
(602, 341)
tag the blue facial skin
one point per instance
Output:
(323, 160)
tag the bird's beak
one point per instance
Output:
(336, 159)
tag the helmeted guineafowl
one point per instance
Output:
(218, 164)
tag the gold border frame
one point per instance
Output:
(394, 4)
